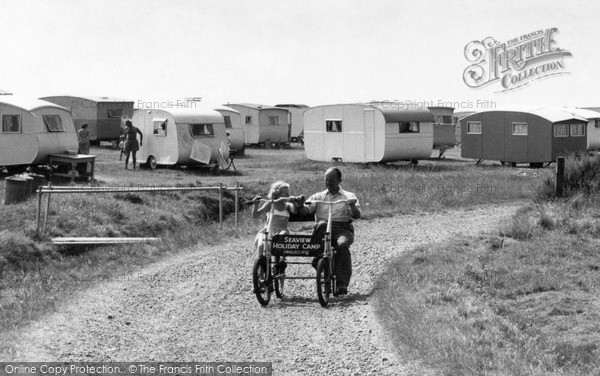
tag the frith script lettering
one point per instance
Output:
(515, 63)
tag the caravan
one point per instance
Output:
(366, 133)
(181, 136)
(104, 115)
(263, 124)
(32, 130)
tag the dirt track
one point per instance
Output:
(198, 306)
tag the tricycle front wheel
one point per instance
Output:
(324, 282)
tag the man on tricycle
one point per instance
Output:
(342, 231)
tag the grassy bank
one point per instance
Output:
(523, 301)
(35, 276)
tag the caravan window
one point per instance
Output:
(227, 122)
(597, 123)
(333, 125)
(202, 130)
(248, 120)
(519, 129)
(115, 112)
(11, 123)
(273, 120)
(443, 119)
(473, 127)
(53, 123)
(409, 127)
(577, 130)
(561, 130)
(160, 127)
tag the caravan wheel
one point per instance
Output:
(14, 170)
(152, 162)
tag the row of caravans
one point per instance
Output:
(246, 123)
(34, 129)
(373, 133)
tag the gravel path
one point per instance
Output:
(198, 306)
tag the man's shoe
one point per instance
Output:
(341, 290)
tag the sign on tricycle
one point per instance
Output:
(295, 245)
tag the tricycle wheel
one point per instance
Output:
(262, 286)
(324, 281)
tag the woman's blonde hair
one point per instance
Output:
(275, 191)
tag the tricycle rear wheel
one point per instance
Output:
(262, 286)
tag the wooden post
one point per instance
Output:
(47, 208)
(39, 212)
(560, 176)
(236, 205)
(220, 204)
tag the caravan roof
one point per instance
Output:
(585, 113)
(257, 106)
(27, 104)
(292, 105)
(393, 115)
(549, 113)
(91, 98)
(224, 108)
(191, 115)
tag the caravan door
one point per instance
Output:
(369, 131)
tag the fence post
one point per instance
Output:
(560, 176)
(39, 212)
(236, 205)
(220, 204)
(47, 208)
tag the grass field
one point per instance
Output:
(523, 301)
(35, 276)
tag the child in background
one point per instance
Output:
(121, 145)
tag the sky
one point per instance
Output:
(281, 51)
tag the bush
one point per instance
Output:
(582, 175)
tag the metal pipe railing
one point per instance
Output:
(49, 190)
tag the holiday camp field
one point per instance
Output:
(476, 322)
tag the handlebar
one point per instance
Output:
(280, 199)
(325, 202)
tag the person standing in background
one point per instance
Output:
(83, 136)
(131, 142)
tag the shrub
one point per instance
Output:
(582, 175)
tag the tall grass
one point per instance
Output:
(522, 301)
(470, 307)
